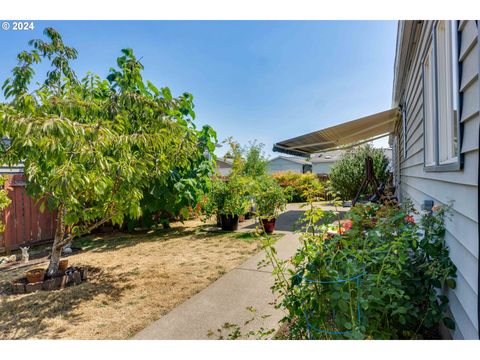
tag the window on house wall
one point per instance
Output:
(441, 99)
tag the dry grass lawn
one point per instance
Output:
(133, 281)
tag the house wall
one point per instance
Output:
(443, 187)
(224, 170)
(322, 168)
(282, 165)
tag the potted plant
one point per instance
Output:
(270, 200)
(227, 198)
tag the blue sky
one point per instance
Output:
(263, 80)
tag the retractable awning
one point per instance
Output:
(348, 134)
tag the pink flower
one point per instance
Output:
(410, 219)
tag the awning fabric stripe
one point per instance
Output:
(339, 136)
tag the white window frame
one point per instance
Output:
(429, 106)
(441, 99)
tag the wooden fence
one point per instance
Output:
(24, 223)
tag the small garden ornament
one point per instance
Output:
(25, 255)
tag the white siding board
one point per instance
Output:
(414, 159)
(469, 68)
(470, 135)
(468, 39)
(415, 116)
(470, 100)
(467, 298)
(414, 147)
(468, 176)
(465, 261)
(464, 327)
(464, 196)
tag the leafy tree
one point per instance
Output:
(255, 161)
(92, 147)
(248, 160)
(348, 173)
(235, 154)
(181, 189)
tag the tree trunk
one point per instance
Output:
(58, 243)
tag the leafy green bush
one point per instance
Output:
(228, 197)
(300, 186)
(401, 266)
(269, 197)
(348, 173)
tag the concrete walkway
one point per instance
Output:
(226, 300)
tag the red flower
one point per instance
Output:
(410, 219)
(347, 224)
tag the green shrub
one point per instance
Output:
(270, 198)
(402, 266)
(228, 197)
(300, 186)
(348, 173)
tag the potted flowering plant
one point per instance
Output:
(270, 200)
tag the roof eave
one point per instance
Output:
(406, 31)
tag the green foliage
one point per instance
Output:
(269, 197)
(301, 187)
(95, 148)
(228, 197)
(255, 161)
(248, 160)
(4, 200)
(348, 173)
(181, 189)
(403, 266)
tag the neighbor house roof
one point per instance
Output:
(327, 157)
(344, 135)
(294, 159)
(225, 163)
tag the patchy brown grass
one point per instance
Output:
(134, 280)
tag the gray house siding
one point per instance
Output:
(322, 168)
(461, 187)
(282, 165)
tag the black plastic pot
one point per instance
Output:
(229, 222)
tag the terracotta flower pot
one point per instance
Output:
(229, 222)
(63, 264)
(268, 225)
(35, 275)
